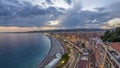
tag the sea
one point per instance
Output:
(23, 50)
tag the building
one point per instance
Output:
(106, 55)
(84, 60)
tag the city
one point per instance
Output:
(59, 33)
(85, 49)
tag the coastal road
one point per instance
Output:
(75, 55)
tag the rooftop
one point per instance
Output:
(83, 64)
(116, 46)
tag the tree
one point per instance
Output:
(112, 36)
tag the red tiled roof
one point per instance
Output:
(116, 46)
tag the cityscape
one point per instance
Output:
(85, 49)
(59, 34)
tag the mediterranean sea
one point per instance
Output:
(23, 50)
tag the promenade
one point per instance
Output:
(75, 54)
(55, 48)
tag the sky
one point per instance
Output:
(28, 15)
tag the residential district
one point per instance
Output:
(84, 49)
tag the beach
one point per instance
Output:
(56, 47)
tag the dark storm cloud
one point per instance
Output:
(77, 17)
(85, 17)
(27, 9)
(15, 13)
(114, 9)
(49, 1)
(27, 21)
(101, 9)
(36, 10)
(11, 8)
(69, 1)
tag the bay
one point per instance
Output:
(23, 50)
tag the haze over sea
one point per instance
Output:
(23, 50)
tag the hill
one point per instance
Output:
(112, 35)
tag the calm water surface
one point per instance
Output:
(23, 50)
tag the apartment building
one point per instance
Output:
(106, 55)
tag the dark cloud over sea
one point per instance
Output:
(26, 13)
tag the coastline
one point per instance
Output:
(55, 48)
(41, 63)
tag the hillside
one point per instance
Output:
(112, 35)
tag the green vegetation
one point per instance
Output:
(112, 36)
(63, 61)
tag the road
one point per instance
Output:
(75, 60)
(75, 55)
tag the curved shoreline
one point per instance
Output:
(47, 52)
(55, 48)
(44, 59)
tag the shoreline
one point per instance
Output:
(55, 48)
(47, 53)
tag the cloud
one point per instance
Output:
(76, 17)
(55, 13)
(21, 14)
(113, 23)
(25, 9)
(69, 1)
(114, 13)
(49, 1)
(114, 9)
(53, 23)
